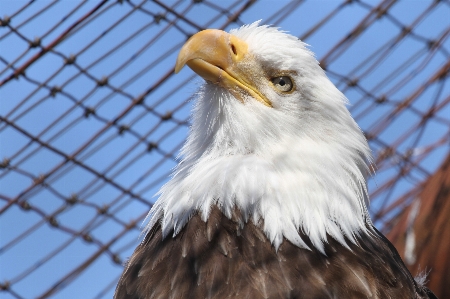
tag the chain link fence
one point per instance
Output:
(92, 117)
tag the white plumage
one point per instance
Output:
(269, 199)
(299, 165)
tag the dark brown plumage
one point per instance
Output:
(270, 138)
(225, 258)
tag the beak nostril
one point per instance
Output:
(233, 48)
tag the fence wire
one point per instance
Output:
(92, 117)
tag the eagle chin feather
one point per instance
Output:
(269, 199)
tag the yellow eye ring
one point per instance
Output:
(283, 83)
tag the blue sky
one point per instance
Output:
(134, 51)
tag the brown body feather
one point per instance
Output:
(224, 259)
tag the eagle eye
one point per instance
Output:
(283, 83)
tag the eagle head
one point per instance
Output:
(271, 137)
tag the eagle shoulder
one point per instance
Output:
(223, 258)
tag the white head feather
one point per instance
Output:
(298, 166)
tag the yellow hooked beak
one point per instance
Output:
(221, 58)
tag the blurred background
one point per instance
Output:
(92, 119)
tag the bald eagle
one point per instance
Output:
(269, 199)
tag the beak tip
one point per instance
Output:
(181, 61)
(178, 68)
